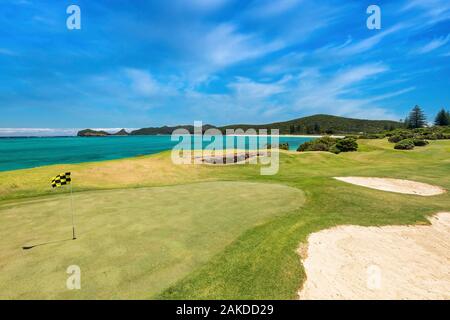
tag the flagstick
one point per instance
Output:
(71, 206)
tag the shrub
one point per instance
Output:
(281, 146)
(284, 146)
(347, 145)
(420, 142)
(330, 144)
(372, 136)
(334, 149)
(396, 138)
(406, 144)
(320, 144)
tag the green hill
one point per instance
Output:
(92, 133)
(316, 124)
(324, 124)
(166, 129)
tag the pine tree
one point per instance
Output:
(442, 118)
(417, 118)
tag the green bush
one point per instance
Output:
(420, 142)
(347, 145)
(320, 144)
(330, 144)
(334, 149)
(406, 144)
(281, 146)
(372, 136)
(395, 138)
(284, 146)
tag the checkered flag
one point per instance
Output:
(61, 179)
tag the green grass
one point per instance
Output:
(258, 260)
(131, 243)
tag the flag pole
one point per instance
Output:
(71, 207)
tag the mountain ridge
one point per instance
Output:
(314, 124)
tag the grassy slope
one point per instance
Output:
(262, 262)
(325, 122)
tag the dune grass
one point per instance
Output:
(261, 261)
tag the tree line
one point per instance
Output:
(417, 118)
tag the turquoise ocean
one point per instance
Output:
(21, 153)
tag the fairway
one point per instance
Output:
(131, 243)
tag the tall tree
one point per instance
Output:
(442, 118)
(417, 118)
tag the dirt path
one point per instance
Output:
(394, 185)
(392, 262)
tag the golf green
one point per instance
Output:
(132, 243)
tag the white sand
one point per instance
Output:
(395, 185)
(392, 262)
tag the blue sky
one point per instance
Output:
(149, 63)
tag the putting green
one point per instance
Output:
(132, 243)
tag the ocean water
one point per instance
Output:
(20, 153)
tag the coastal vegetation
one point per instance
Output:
(311, 125)
(334, 145)
(100, 133)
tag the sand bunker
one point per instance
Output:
(395, 185)
(392, 262)
(230, 158)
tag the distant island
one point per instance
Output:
(316, 124)
(100, 133)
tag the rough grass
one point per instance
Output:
(262, 261)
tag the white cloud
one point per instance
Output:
(288, 63)
(352, 48)
(270, 8)
(224, 46)
(205, 5)
(7, 52)
(248, 89)
(142, 82)
(340, 94)
(433, 45)
(434, 10)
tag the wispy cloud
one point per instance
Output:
(433, 45)
(7, 52)
(340, 93)
(224, 46)
(143, 83)
(351, 48)
(434, 10)
(248, 89)
(288, 63)
(268, 8)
